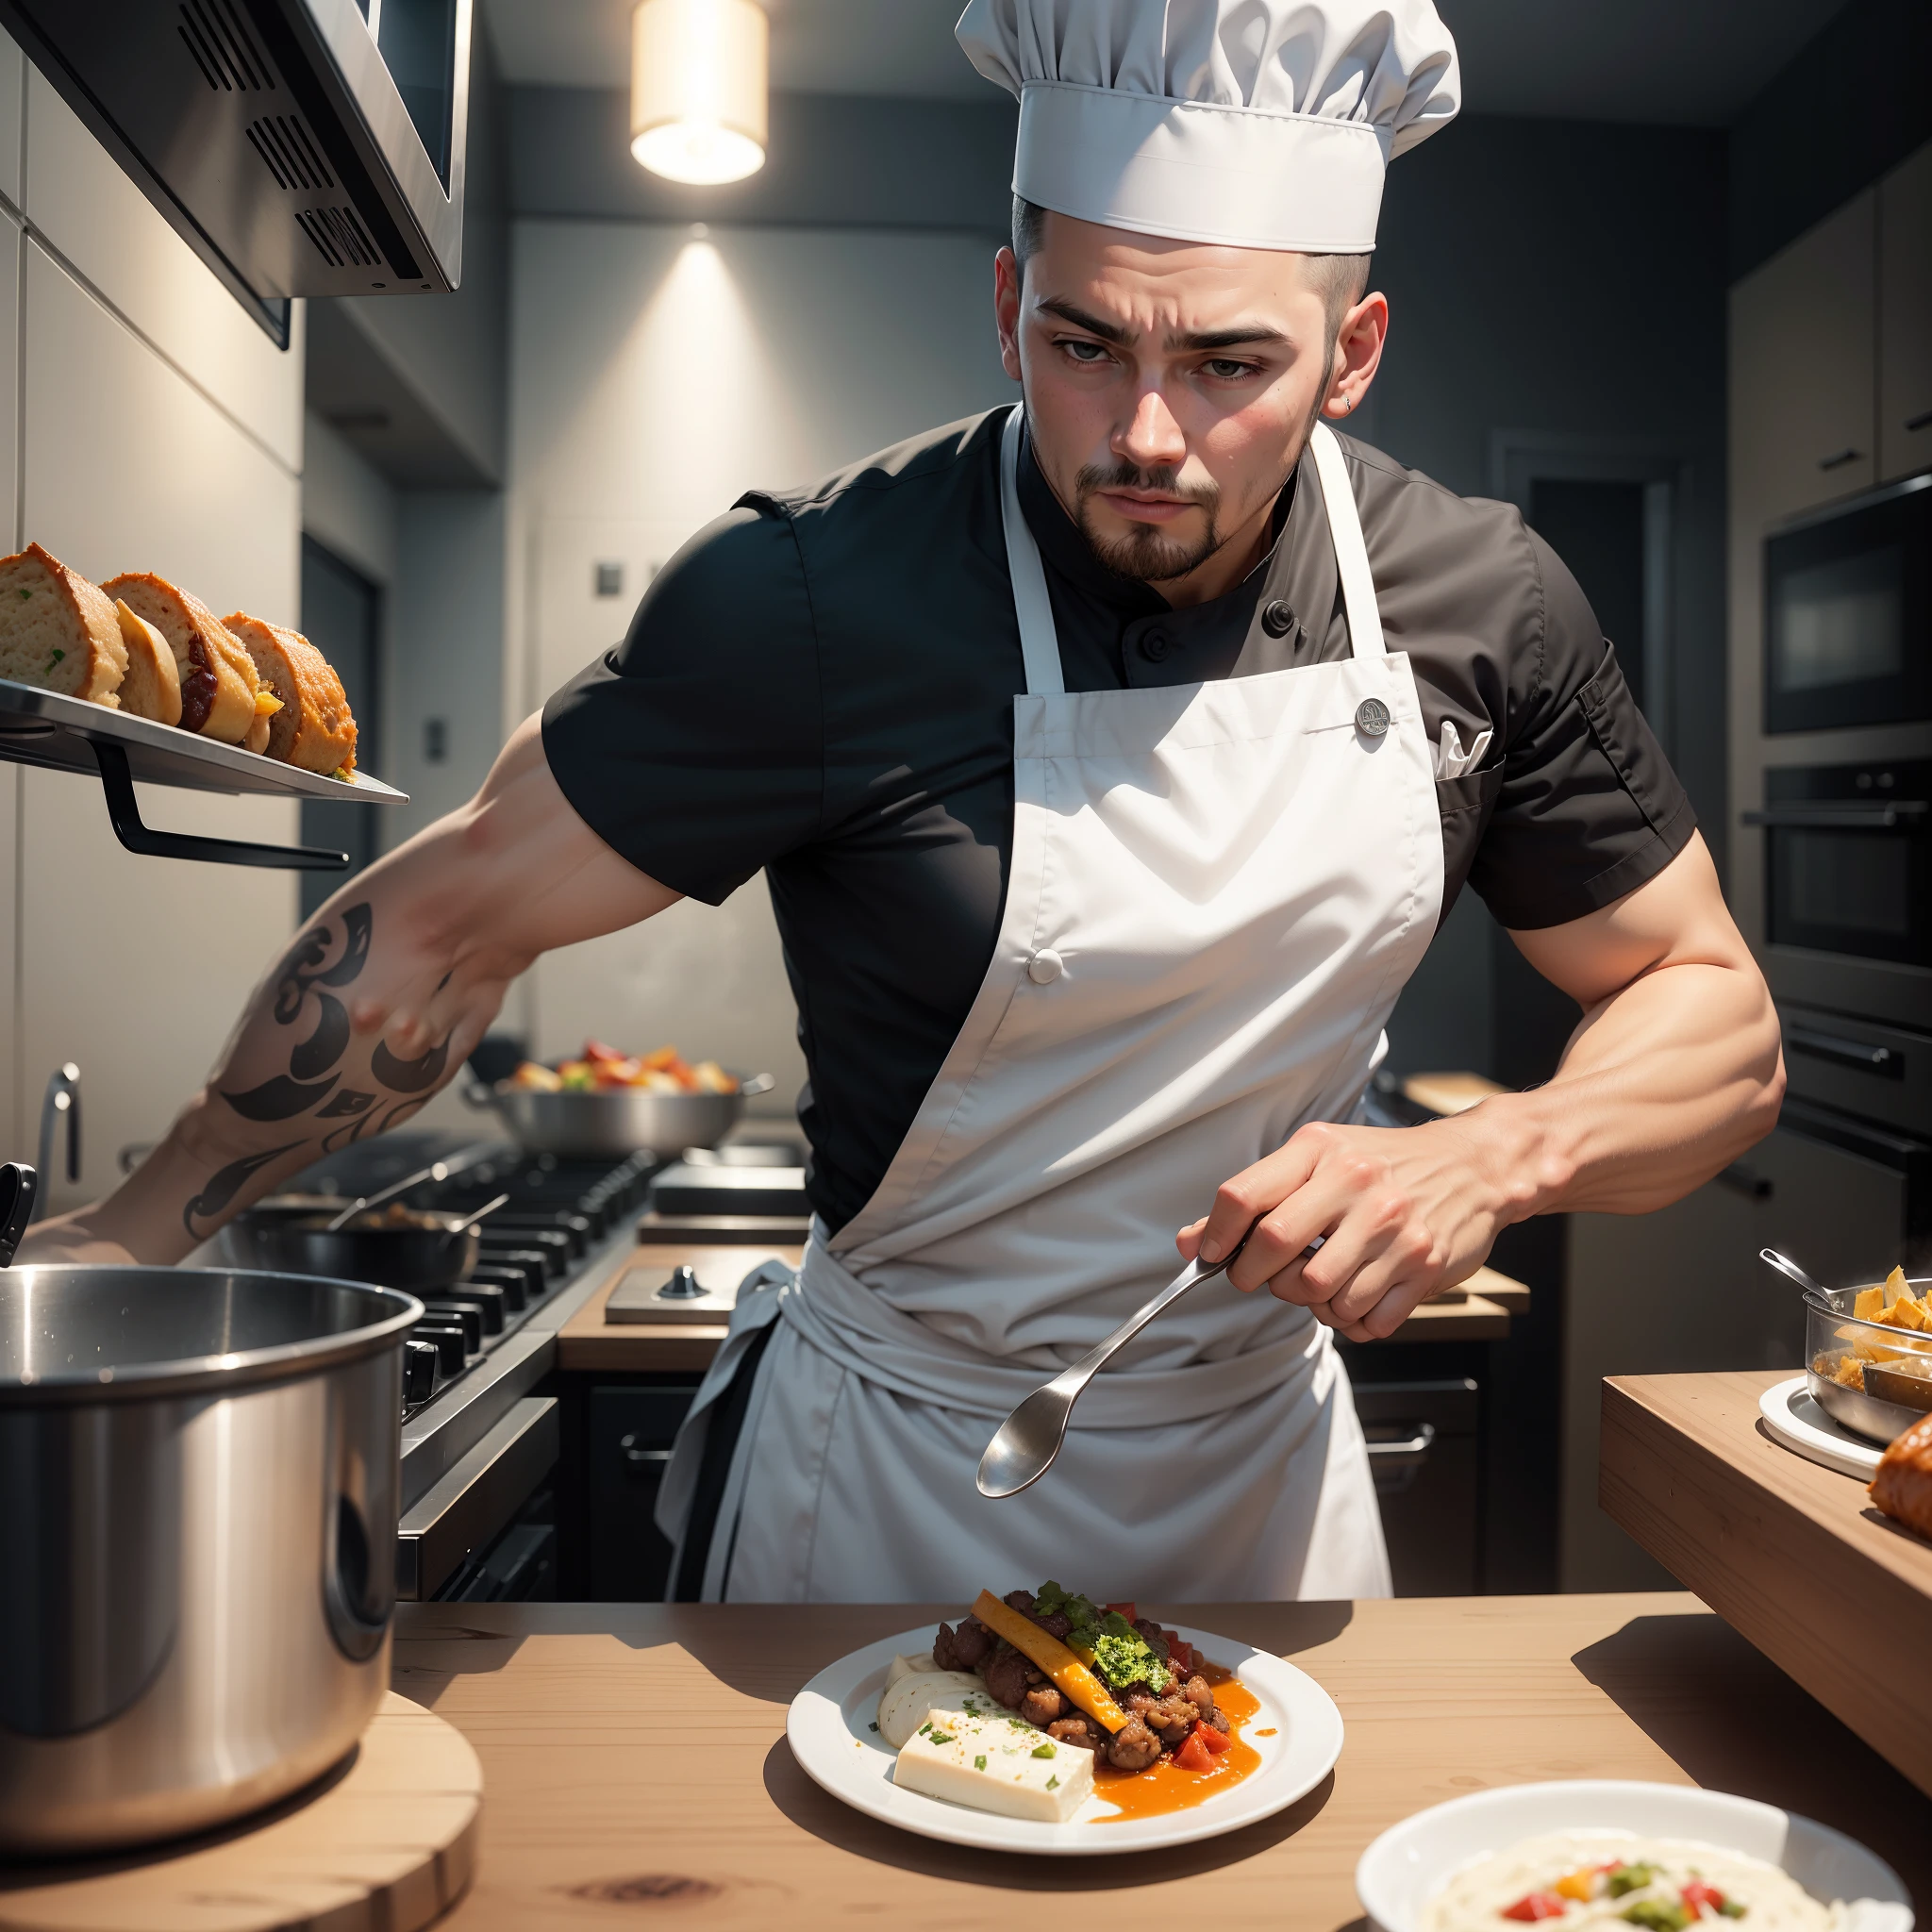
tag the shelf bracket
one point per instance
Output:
(124, 814)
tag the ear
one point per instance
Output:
(1006, 308)
(1358, 356)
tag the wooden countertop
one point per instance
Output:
(1479, 1310)
(1794, 1555)
(634, 1757)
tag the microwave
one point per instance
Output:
(1848, 613)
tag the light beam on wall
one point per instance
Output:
(697, 89)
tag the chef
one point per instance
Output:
(1113, 759)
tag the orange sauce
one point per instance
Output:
(1165, 1787)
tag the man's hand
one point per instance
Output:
(1673, 1072)
(1401, 1211)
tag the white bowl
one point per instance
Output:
(1407, 1865)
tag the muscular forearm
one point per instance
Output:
(373, 1009)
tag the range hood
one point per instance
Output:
(301, 147)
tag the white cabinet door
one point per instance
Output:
(1803, 368)
(1904, 318)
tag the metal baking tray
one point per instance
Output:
(41, 727)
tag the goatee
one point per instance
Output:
(1150, 555)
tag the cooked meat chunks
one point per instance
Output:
(1171, 1716)
(1133, 1747)
(1077, 1727)
(965, 1649)
(1042, 1705)
(1009, 1677)
(1197, 1693)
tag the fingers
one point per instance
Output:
(1253, 1192)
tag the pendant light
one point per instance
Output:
(697, 89)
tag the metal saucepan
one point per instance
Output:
(616, 1121)
(199, 1471)
(289, 1234)
(1893, 1359)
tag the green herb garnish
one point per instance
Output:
(1624, 1878)
(1730, 1910)
(1043, 1751)
(23, 596)
(980, 1763)
(55, 659)
(1053, 1784)
(1658, 1915)
(942, 1736)
(871, 1727)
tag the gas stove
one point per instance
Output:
(476, 1438)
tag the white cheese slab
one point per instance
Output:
(995, 1763)
(906, 1703)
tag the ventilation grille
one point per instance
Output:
(289, 152)
(228, 53)
(338, 237)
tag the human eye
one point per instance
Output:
(1229, 369)
(1083, 350)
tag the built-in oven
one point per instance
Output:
(1847, 886)
(1848, 613)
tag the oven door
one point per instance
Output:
(1848, 613)
(1848, 860)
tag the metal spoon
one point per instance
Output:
(469, 1221)
(436, 1171)
(1790, 1269)
(1027, 1442)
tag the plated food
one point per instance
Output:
(142, 645)
(599, 1069)
(891, 1732)
(1902, 1487)
(1614, 1880)
(1619, 1853)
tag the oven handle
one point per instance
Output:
(476, 1500)
(1860, 1053)
(1411, 1454)
(1836, 818)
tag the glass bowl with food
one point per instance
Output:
(1868, 1354)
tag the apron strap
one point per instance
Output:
(1351, 553)
(1039, 644)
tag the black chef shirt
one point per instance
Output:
(821, 685)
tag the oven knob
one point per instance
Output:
(684, 1286)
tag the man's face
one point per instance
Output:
(1170, 386)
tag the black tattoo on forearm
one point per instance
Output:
(224, 1184)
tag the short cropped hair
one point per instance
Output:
(1340, 279)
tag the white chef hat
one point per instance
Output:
(1263, 123)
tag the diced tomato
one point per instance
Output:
(1193, 1755)
(1125, 1611)
(1702, 1897)
(1534, 1905)
(1216, 1741)
(1181, 1657)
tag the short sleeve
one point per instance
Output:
(1589, 807)
(696, 748)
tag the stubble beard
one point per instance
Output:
(1150, 555)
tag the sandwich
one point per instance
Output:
(313, 727)
(58, 630)
(151, 687)
(221, 694)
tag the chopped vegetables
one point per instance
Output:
(601, 1068)
(1195, 1755)
(1068, 1674)
(1658, 1915)
(1624, 1878)
(1535, 1905)
(1107, 1641)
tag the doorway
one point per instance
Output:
(342, 616)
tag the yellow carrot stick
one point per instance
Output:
(1069, 1676)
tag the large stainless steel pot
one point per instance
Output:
(198, 1500)
(617, 1121)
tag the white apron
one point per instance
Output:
(1216, 892)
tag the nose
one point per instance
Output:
(1151, 439)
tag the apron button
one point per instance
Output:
(1278, 618)
(1044, 967)
(1372, 718)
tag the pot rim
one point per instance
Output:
(209, 1376)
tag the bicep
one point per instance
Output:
(1676, 918)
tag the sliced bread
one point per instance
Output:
(314, 728)
(218, 680)
(151, 687)
(58, 630)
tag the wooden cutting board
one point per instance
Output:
(388, 1846)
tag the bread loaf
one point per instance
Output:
(218, 680)
(1902, 1487)
(314, 728)
(151, 687)
(58, 630)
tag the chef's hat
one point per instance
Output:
(1264, 124)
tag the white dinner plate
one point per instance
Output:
(830, 1723)
(1792, 1414)
(1407, 1866)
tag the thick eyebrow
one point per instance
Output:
(1197, 340)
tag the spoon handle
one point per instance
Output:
(1072, 1380)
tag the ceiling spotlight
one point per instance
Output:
(697, 89)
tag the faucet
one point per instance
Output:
(62, 1097)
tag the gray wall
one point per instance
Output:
(1564, 279)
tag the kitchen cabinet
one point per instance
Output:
(1804, 335)
(1904, 318)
